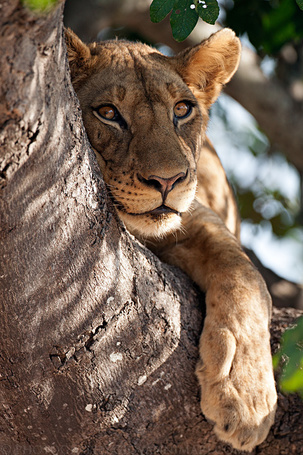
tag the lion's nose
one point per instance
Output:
(164, 185)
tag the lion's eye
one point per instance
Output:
(182, 109)
(107, 112)
(110, 113)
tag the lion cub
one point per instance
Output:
(146, 116)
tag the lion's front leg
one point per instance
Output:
(235, 371)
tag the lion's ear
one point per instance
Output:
(208, 66)
(79, 56)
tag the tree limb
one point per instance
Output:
(276, 111)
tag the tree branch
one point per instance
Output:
(284, 293)
(276, 111)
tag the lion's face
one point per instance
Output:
(146, 127)
(146, 123)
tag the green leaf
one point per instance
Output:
(159, 9)
(292, 353)
(40, 5)
(294, 383)
(183, 19)
(208, 10)
(300, 4)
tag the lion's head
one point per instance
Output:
(146, 115)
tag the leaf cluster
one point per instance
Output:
(269, 24)
(184, 14)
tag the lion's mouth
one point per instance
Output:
(157, 212)
(161, 210)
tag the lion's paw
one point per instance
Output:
(237, 387)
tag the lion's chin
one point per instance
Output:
(151, 225)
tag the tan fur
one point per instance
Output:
(150, 159)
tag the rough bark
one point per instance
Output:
(98, 337)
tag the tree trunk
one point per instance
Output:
(98, 337)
